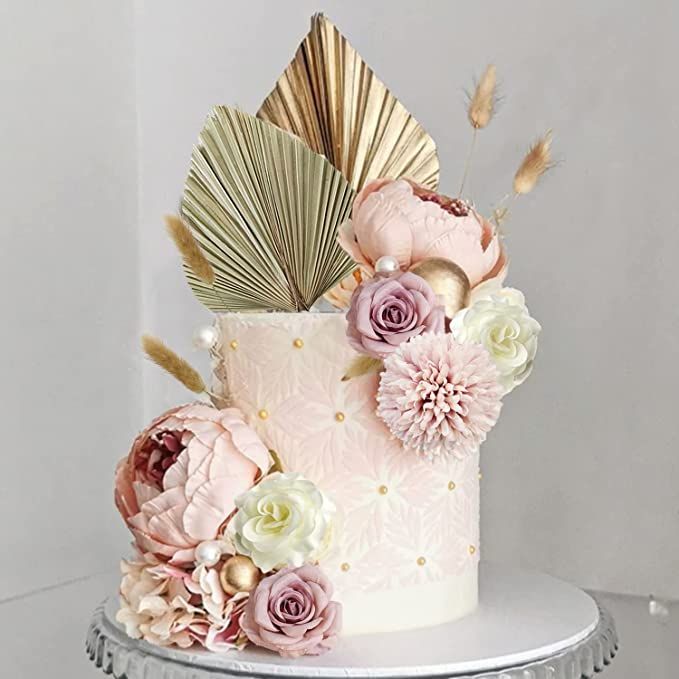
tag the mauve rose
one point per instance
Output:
(290, 612)
(385, 312)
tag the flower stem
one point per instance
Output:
(467, 163)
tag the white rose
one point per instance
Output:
(501, 323)
(283, 521)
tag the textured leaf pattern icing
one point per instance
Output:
(406, 520)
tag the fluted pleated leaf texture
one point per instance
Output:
(331, 99)
(265, 209)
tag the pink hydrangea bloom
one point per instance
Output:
(439, 396)
(406, 221)
(177, 486)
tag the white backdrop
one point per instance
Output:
(580, 476)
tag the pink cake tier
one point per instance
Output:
(406, 553)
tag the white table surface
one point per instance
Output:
(42, 635)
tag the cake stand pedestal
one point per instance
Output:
(528, 626)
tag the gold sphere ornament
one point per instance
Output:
(239, 574)
(448, 281)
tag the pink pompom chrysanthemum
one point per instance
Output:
(439, 396)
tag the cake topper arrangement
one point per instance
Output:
(328, 194)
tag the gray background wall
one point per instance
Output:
(101, 103)
(69, 365)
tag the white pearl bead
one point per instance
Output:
(658, 609)
(205, 337)
(386, 265)
(209, 553)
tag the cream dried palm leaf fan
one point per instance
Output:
(265, 210)
(329, 97)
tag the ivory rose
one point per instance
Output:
(283, 521)
(500, 321)
(411, 223)
(178, 485)
(291, 612)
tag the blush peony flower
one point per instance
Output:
(178, 485)
(385, 312)
(501, 323)
(291, 612)
(283, 521)
(402, 219)
(439, 396)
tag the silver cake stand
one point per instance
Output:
(528, 626)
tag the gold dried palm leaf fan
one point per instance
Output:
(265, 210)
(329, 97)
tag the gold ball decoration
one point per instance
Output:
(383, 490)
(451, 485)
(447, 280)
(345, 566)
(298, 343)
(233, 344)
(472, 550)
(421, 561)
(239, 574)
(263, 414)
(339, 416)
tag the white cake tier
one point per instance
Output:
(407, 554)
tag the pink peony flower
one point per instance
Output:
(291, 613)
(177, 486)
(439, 396)
(402, 219)
(387, 311)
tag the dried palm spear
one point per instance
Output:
(265, 210)
(331, 99)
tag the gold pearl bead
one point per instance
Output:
(233, 344)
(298, 343)
(480, 476)
(345, 567)
(263, 414)
(451, 485)
(383, 490)
(339, 416)
(421, 561)
(472, 550)
(239, 574)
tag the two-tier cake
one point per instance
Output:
(326, 479)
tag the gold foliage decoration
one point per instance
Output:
(189, 249)
(534, 164)
(172, 363)
(362, 365)
(482, 102)
(265, 210)
(331, 99)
